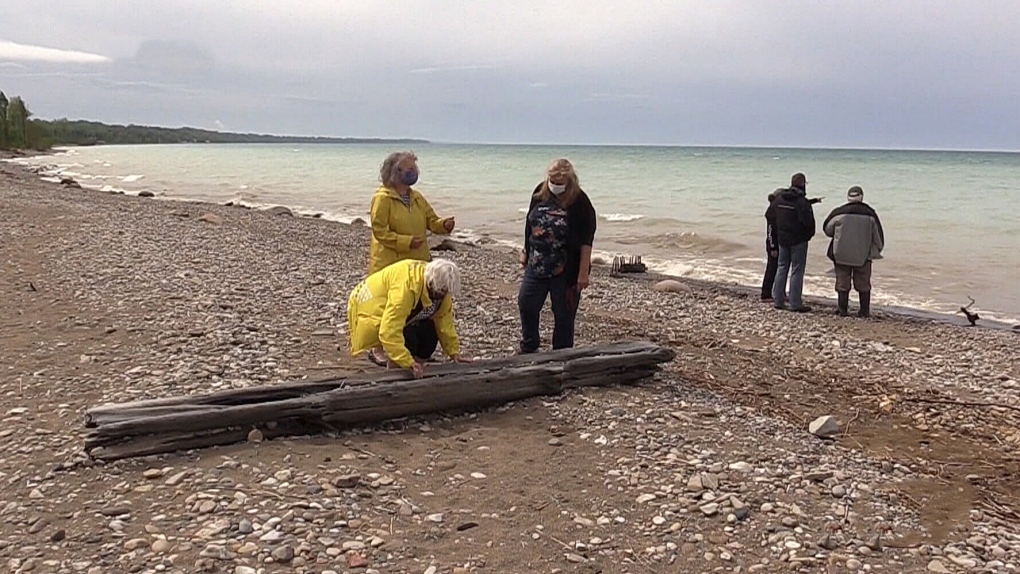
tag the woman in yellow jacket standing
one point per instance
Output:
(403, 312)
(400, 215)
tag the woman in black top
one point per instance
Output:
(558, 234)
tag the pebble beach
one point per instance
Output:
(709, 467)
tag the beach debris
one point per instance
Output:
(824, 427)
(630, 264)
(146, 193)
(279, 210)
(445, 245)
(211, 218)
(672, 286)
(972, 317)
(157, 426)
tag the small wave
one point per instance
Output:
(688, 241)
(621, 217)
(815, 284)
(131, 178)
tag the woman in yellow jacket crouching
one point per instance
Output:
(401, 313)
(401, 216)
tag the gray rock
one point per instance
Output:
(672, 286)
(115, 511)
(346, 481)
(245, 527)
(283, 554)
(824, 427)
(710, 509)
(280, 210)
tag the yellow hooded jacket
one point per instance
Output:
(395, 225)
(379, 307)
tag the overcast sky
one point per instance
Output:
(864, 73)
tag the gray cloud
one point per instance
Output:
(790, 72)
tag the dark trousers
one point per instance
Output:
(770, 277)
(530, 301)
(421, 339)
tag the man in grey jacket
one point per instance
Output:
(857, 240)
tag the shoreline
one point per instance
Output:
(727, 259)
(708, 466)
(486, 242)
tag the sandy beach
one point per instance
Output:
(708, 467)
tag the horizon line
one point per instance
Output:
(427, 141)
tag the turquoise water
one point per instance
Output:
(950, 217)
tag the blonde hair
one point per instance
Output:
(443, 275)
(561, 167)
(389, 172)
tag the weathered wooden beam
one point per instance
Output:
(226, 417)
(110, 413)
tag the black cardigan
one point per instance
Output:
(581, 223)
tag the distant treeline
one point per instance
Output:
(18, 130)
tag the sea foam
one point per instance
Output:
(620, 217)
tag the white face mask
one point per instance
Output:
(557, 189)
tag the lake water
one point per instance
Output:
(950, 218)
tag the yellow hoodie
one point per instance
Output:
(395, 225)
(379, 307)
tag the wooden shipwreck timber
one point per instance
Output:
(157, 426)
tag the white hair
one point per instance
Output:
(443, 275)
(389, 172)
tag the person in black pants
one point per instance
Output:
(421, 338)
(771, 251)
(558, 234)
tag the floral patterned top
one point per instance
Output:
(547, 245)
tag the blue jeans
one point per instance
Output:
(530, 301)
(792, 261)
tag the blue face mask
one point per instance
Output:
(409, 177)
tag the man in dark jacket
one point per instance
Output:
(795, 226)
(857, 240)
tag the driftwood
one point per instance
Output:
(972, 317)
(165, 425)
(961, 403)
